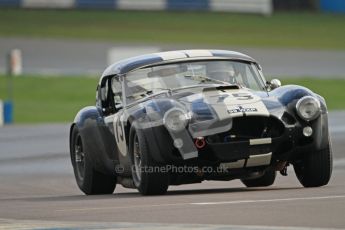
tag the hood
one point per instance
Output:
(226, 103)
(212, 109)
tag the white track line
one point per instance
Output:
(122, 207)
(271, 200)
(34, 224)
(205, 203)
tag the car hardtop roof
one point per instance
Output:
(129, 64)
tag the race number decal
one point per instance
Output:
(119, 133)
(235, 103)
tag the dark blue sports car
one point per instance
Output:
(182, 117)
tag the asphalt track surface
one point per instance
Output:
(38, 190)
(51, 56)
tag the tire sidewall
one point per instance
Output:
(74, 136)
(85, 182)
(308, 169)
(151, 183)
(137, 182)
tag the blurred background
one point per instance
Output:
(52, 53)
(58, 48)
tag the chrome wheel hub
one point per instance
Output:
(79, 158)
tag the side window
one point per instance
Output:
(109, 95)
(101, 96)
(116, 87)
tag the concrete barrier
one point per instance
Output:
(141, 4)
(242, 6)
(48, 3)
(245, 6)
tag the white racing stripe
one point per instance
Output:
(258, 160)
(260, 141)
(235, 103)
(198, 53)
(166, 56)
(233, 165)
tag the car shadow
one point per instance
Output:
(226, 190)
(136, 194)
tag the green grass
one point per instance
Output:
(58, 99)
(49, 99)
(333, 90)
(299, 30)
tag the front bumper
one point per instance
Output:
(286, 147)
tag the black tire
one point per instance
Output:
(147, 183)
(264, 181)
(90, 181)
(315, 169)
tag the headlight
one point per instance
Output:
(308, 108)
(175, 119)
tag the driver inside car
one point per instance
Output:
(222, 71)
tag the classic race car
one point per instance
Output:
(182, 117)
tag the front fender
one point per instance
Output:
(289, 95)
(149, 118)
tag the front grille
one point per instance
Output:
(250, 127)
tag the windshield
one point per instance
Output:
(146, 81)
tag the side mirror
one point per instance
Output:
(275, 83)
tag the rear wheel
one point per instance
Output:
(89, 180)
(146, 176)
(315, 169)
(267, 179)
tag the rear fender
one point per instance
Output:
(98, 140)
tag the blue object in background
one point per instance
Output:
(11, 3)
(102, 4)
(334, 6)
(8, 112)
(188, 4)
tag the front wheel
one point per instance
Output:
(267, 179)
(315, 169)
(146, 173)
